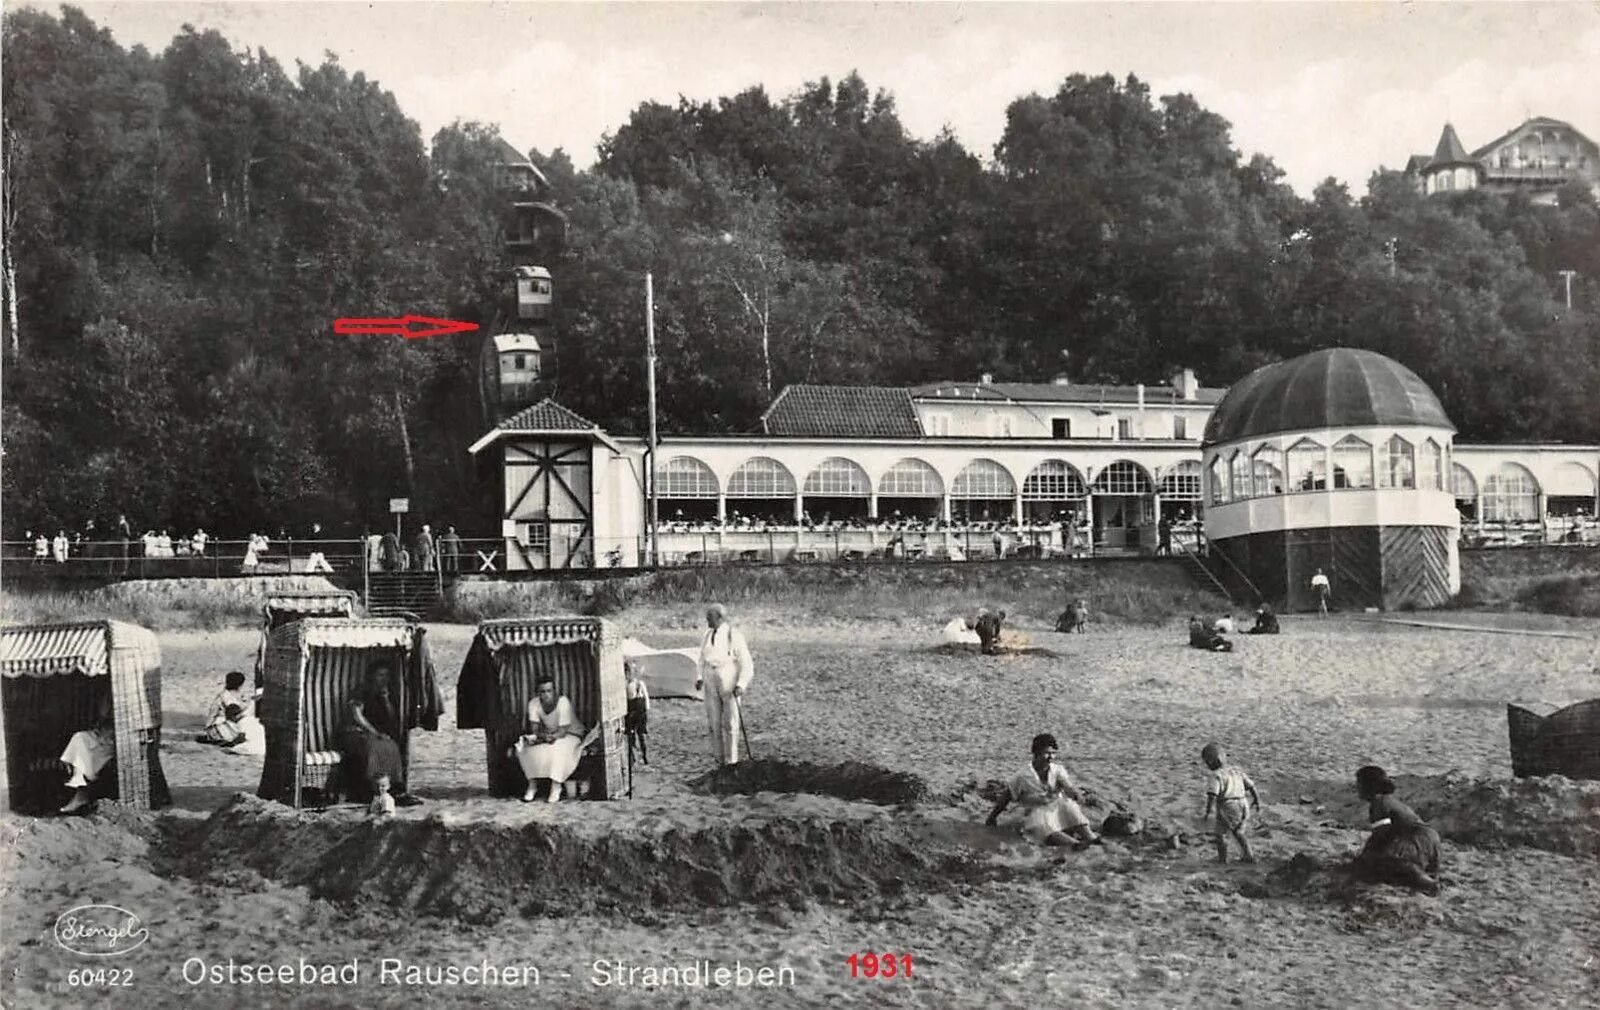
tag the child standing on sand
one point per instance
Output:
(382, 802)
(1232, 794)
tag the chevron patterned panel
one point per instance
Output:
(1416, 565)
(1357, 571)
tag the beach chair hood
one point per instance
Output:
(127, 653)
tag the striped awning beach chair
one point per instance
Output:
(584, 655)
(313, 668)
(288, 607)
(52, 680)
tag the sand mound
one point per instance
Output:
(480, 872)
(851, 780)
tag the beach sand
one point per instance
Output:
(675, 876)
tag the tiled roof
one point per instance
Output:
(1449, 151)
(546, 415)
(1049, 392)
(842, 411)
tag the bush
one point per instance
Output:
(1569, 595)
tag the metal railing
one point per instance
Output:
(211, 559)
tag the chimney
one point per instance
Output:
(988, 378)
(1186, 384)
(1062, 380)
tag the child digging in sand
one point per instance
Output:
(382, 802)
(1049, 799)
(1232, 794)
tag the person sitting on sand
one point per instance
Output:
(223, 725)
(1224, 625)
(1050, 801)
(1402, 848)
(1266, 621)
(551, 746)
(369, 740)
(382, 803)
(1203, 637)
(1231, 794)
(87, 754)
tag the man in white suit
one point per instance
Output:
(725, 672)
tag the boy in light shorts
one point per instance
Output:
(1231, 793)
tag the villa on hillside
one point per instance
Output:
(1536, 158)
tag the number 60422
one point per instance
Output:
(871, 965)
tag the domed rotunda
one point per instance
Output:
(1337, 460)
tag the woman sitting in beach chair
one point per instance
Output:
(551, 744)
(368, 741)
(86, 756)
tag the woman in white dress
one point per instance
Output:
(1050, 801)
(549, 749)
(87, 754)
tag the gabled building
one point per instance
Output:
(1536, 158)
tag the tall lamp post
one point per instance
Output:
(650, 372)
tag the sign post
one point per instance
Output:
(399, 506)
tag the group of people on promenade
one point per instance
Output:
(388, 553)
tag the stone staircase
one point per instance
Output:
(392, 594)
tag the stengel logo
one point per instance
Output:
(99, 930)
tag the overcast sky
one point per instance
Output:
(1325, 89)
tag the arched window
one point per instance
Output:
(1268, 471)
(1308, 466)
(1397, 464)
(1219, 481)
(1511, 495)
(837, 477)
(983, 478)
(761, 477)
(1572, 480)
(1352, 463)
(1430, 466)
(1181, 482)
(1239, 463)
(1054, 480)
(911, 478)
(686, 477)
(1462, 484)
(1123, 477)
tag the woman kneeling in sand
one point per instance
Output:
(1050, 801)
(87, 754)
(550, 747)
(1402, 848)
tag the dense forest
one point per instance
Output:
(181, 228)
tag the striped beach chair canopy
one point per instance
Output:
(582, 654)
(283, 607)
(127, 653)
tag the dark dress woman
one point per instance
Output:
(369, 738)
(1402, 848)
(1266, 621)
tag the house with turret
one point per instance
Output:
(1537, 158)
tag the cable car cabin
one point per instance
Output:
(512, 367)
(535, 294)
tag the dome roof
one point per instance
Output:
(1336, 388)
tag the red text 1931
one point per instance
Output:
(871, 965)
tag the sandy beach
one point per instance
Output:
(801, 881)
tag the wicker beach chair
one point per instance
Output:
(313, 668)
(584, 655)
(288, 607)
(52, 680)
(1560, 742)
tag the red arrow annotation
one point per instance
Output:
(410, 327)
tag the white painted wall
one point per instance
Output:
(968, 418)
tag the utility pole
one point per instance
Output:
(1567, 275)
(650, 372)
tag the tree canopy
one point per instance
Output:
(181, 228)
